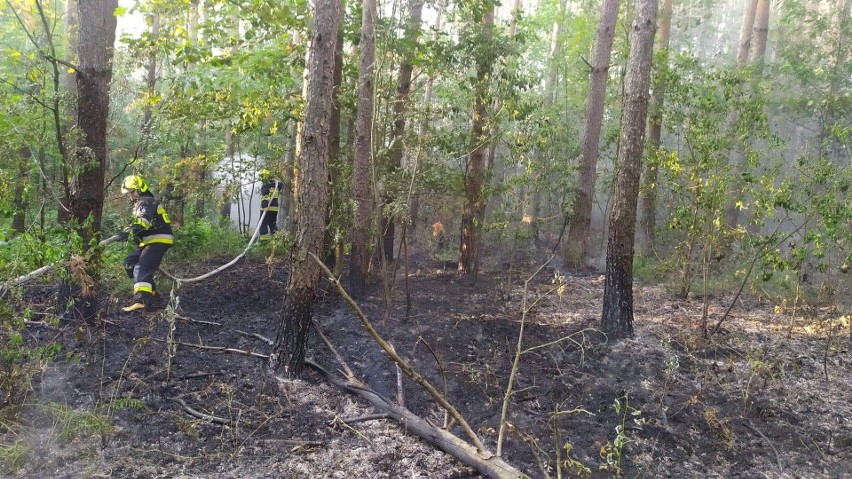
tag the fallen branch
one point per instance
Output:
(257, 336)
(409, 371)
(777, 456)
(365, 418)
(221, 349)
(197, 321)
(491, 466)
(200, 415)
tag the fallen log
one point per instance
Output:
(488, 465)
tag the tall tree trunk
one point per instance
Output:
(474, 181)
(199, 172)
(655, 128)
(19, 212)
(331, 248)
(363, 153)
(227, 188)
(737, 160)
(577, 243)
(554, 60)
(424, 125)
(312, 193)
(150, 87)
(94, 72)
(617, 319)
(743, 50)
(63, 214)
(400, 106)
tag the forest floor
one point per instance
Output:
(751, 403)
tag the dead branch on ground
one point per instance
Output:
(200, 415)
(490, 466)
(409, 371)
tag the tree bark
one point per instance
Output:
(94, 72)
(331, 248)
(363, 153)
(150, 87)
(655, 129)
(19, 204)
(400, 105)
(759, 33)
(577, 242)
(617, 319)
(424, 126)
(474, 181)
(312, 192)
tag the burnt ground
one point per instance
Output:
(751, 403)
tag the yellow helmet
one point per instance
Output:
(133, 183)
(265, 174)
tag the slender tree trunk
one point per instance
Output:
(759, 35)
(474, 207)
(63, 214)
(150, 88)
(577, 243)
(400, 106)
(19, 204)
(617, 319)
(424, 126)
(655, 128)
(331, 249)
(312, 192)
(363, 153)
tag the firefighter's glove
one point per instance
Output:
(123, 235)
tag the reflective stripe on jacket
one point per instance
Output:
(150, 222)
(269, 192)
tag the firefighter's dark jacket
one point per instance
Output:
(269, 193)
(150, 222)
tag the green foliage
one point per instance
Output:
(71, 423)
(613, 451)
(20, 362)
(201, 239)
(15, 455)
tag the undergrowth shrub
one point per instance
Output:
(200, 239)
(20, 363)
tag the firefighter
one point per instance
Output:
(270, 190)
(152, 232)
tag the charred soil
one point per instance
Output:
(186, 392)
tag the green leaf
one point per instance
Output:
(119, 11)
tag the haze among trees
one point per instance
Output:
(703, 146)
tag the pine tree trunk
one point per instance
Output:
(312, 196)
(94, 72)
(655, 129)
(424, 127)
(577, 242)
(474, 207)
(363, 154)
(759, 34)
(63, 213)
(330, 257)
(400, 105)
(617, 318)
(19, 205)
(150, 88)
